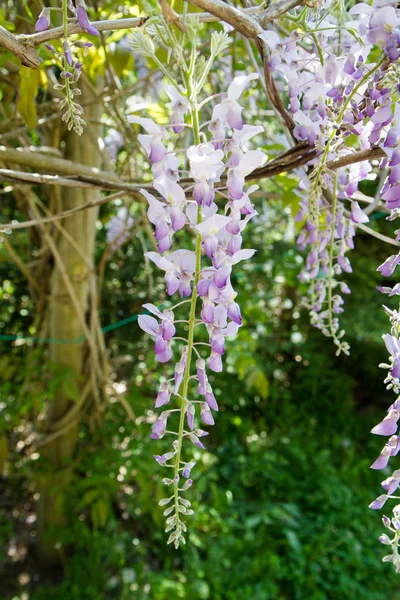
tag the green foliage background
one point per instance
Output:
(280, 496)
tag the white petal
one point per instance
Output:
(153, 309)
(244, 135)
(271, 38)
(170, 190)
(362, 9)
(148, 324)
(154, 257)
(147, 124)
(242, 255)
(212, 225)
(250, 161)
(238, 84)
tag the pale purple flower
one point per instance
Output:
(163, 396)
(43, 21)
(358, 215)
(389, 265)
(180, 107)
(236, 175)
(379, 502)
(393, 347)
(179, 268)
(229, 110)
(206, 415)
(389, 424)
(153, 143)
(118, 228)
(67, 53)
(83, 19)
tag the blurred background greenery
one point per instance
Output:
(281, 495)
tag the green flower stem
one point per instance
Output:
(65, 31)
(316, 184)
(190, 344)
(331, 252)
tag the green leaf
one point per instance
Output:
(28, 91)
(257, 380)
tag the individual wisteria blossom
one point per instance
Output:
(118, 228)
(203, 273)
(71, 68)
(43, 21)
(180, 107)
(83, 19)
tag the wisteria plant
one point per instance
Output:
(332, 77)
(216, 208)
(332, 98)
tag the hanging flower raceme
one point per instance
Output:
(203, 273)
(71, 68)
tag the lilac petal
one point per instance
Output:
(235, 184)
(190, 420)
(172, 283)
(395, 372)
(203, 194)
(390, 485)
(206, 415)
(159, 426)
(382, 114)
(217, 344)
(201, 375)
(163, 395)
(178, 218)
(148, 324)
(168, 329)
(83, 20)
(164, 356)
(160, 459)
(379, 502)
(210, 245)
(215, 362)
(207, 312)
(210, 398)
(67, 53)
(193, 438)
(357, 215)
(234, 244)
(234, 115)
(386, 427)
(43, 21)
(157, 150)
(380, 462)
(203, 286)
(234, 313)
(162, 228)
(184, 287)
(221, 276)
(160, 345)
(164, 244)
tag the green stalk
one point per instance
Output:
(192, 319)
(331, 251)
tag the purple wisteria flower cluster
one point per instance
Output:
(216, 206)
(340, 92)
(334, 95)
(71, 68)
(388, 427)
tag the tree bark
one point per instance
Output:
(65, 323)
